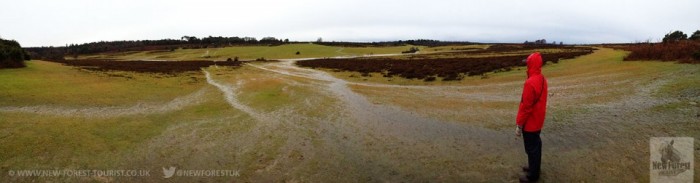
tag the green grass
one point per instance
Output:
(47, 83)
(67, 141)
(70, 142)
(686, 86)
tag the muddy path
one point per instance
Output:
(335, 129)
(398, 143)
(383, 141)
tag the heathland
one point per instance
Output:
(298, 120)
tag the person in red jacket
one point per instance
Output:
(533, 106)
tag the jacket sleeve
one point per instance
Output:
(526, 101)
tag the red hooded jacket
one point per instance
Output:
(533, 103)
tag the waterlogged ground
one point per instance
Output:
(278, 122)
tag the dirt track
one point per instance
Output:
(368, 132)
(379, 137)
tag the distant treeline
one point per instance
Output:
(543, 41)
(185, 42)
(47, 53)
(192, 42)
(11, 54)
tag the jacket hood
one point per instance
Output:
(534, 64)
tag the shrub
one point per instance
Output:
(11, 54)
(695, 36)
(447, 68)
(166, 67)
(696, 55)
(411, 50)
(670, 51)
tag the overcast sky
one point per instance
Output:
(48, 22)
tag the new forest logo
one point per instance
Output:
(671, 159)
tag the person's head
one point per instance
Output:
(534, 63)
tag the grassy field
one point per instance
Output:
(62, 85)
(253, 52)
(77, 119)
(276, 122)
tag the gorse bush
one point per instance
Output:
(412, 50)
(684, 51)
(696, 55)
(11, 54)
(676, 46)
(165, 67)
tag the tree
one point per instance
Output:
(190, 39)
(695, 36)
(675, 36)
(319, 40)
(250, 39)
(268, 40)
(541, 41)
(11, 54)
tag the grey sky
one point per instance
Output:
(46, 22)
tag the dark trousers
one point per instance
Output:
(533, 148)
